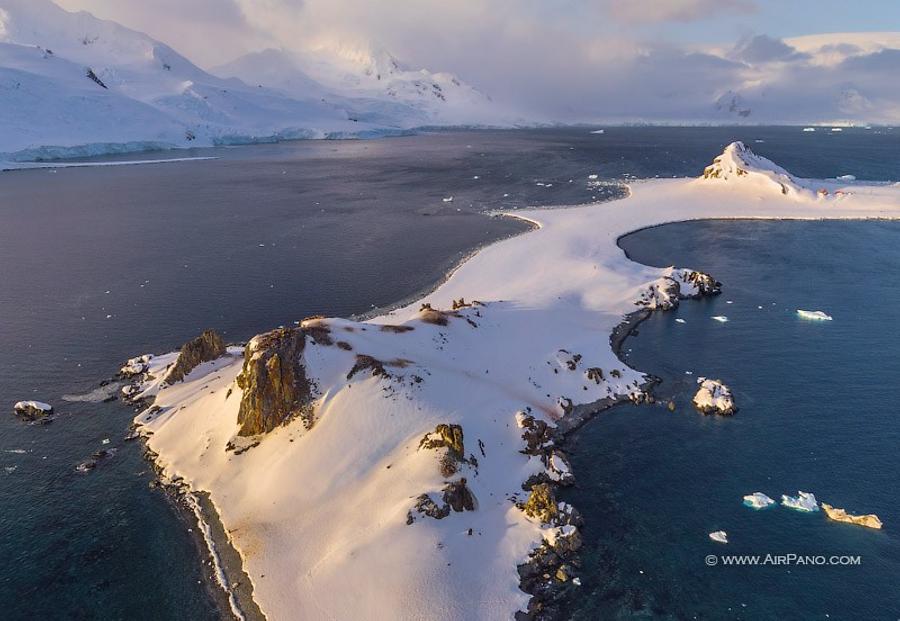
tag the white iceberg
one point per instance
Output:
(680, 320)
(598, 131)
(809, 129)
(448, 199)
(847, 178)
(803, 501)
(758, 500)
(720, 535)
(815, 315)
(721, 318)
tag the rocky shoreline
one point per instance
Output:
(551, 570)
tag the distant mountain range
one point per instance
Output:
(72, 84)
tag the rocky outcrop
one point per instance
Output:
(449, 437)
(208, 346)
(840, 515)
(714, 397)
(274, 382)
(703, 284)
(535, 432)
(541, 504)
(32, 410)
(456, 496)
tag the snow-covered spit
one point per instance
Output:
(74, 85)
(404, 467)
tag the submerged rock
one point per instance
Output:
(840, 515)
(32, 410)
(714, 397)
(208, 346)
(274, 383)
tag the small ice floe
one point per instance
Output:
(837, 129)
(729, 301)
(816, 315)
(847, 178)
(680, 320)
(809, 129)
(447, 199)
(720, 318)
(592, 177)
(10, 469)
(803, 501)
(758, 500)
(576, 581)
(104, 441)
(598, 131)
(476, 177)
(720, 536)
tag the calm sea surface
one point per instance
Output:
(98, 264)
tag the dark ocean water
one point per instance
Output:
(818, 412)
(98, 264)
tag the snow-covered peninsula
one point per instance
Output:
(404, 467)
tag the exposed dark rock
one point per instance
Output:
(364, 362)
(450, 436)
(458, 496)
(536, 433)
(208, 346)
(426, 506)
(396, 329)
(594, 374)
(274, 383)
(541, 504)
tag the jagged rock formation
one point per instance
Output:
(840, 515)
(704, 284)
(208, 346)
(273, 379)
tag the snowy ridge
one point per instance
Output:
(315, 508)
(75, 85)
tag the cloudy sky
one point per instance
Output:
(580, 59)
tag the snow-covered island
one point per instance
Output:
(412, 459)
(714, 397)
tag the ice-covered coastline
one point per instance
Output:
(321, 505)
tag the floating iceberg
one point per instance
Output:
(720, 535)
(809, 129)
(720, 318)
(803, 501)
(448, 199)
(847, 178)
(680, 320)
(758, 500)
(816, 315)
(598, 131)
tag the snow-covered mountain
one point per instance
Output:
(372, 79)
(74, 84)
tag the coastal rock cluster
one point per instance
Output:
(33, 410)
(668, 291)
